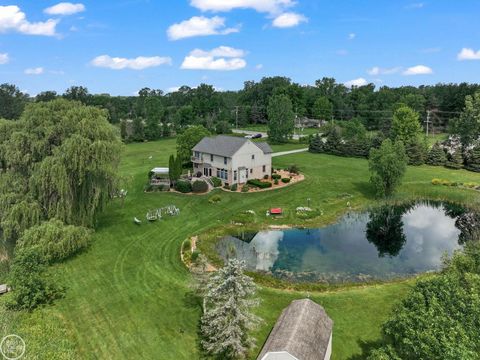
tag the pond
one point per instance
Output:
(381, 244)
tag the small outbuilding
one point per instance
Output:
(302, 332)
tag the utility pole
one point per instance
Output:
(428, 120)
(236, 116)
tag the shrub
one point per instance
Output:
(260, 184)
(215, 199)
(187, 245)
(245, 188)
(265, 177)
(234, 187)
(436, 181)
(275, 181)
(199, 186)
(446, 182)
(276, 176)
(30, 281)
(294, 169)
(55, 240)
(471, 185)
(195, 255)
(198, 174)
(216, 181)
(183, 186)
(286, 180)
(226, 187)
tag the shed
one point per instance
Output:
(302, 332)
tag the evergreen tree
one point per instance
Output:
(228, 318)
(281, 119)
(178, 168)
(473, 159)
(437, 156)
(416, 152)
(316, 144)
(154, 114)
(171, 168)
(333, 145)
(455, 160)
(467, 127)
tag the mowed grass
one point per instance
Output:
(129, 295)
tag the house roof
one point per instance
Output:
(303, 330)
(226, 145)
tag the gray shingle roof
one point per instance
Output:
(303, 330)
(264, 147)
(226, 145)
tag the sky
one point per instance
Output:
(121, 46)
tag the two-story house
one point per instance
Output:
(232, 159)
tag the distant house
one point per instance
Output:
(302, 332)
(232, 159)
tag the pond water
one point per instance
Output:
(385, 243)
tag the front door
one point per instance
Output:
(242, 179)
(209, 171)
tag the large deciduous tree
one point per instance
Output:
(405, 125)
(60, 161)
(227, 319)
(187, 140)
(323, 108)
(467, 127)
(281, 119)
(12, 101)
(387, 166)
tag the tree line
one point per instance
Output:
(153, 114)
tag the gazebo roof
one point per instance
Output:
(303, 330)
(160, 170)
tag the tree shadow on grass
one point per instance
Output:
(366, 347)
(365, 188)
(192, 300)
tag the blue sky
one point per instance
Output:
(121, 46)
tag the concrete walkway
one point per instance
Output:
(281, 153)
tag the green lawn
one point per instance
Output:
(129, 296)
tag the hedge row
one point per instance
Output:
(260, 184)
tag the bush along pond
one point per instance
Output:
(385, 243)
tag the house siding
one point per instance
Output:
(242, 158)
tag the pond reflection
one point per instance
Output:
(386, 243)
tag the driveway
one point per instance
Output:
(281, 153)
(264, 134)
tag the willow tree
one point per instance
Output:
(66, 154)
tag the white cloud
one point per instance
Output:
(4, 58)
(383, 71)
(263, 6)
(415, 6)
(138, 63)
(223, 58)
(352, 36)
(356, 82)
(65, 8)
(288, 19)
(259, 66)
(173, 89)
(34, 71)
(418, 70)
(13, 19)
(468, 54)
(199, 26)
